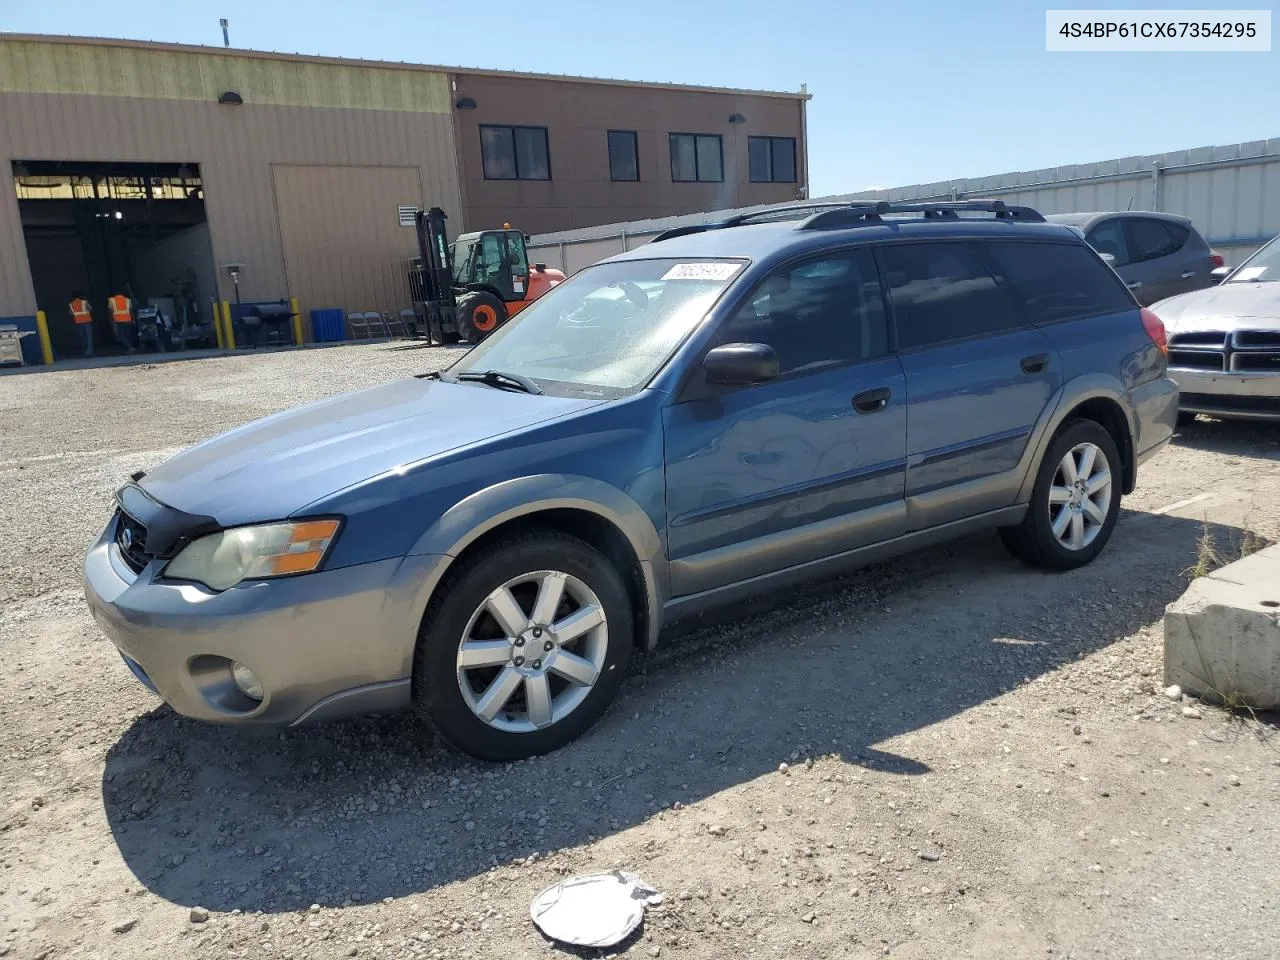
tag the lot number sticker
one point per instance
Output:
(702, 271)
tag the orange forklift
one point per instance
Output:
(466, 289)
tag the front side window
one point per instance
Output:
(821, 313)
(942, 292)
(697, 157)
(771, 159)
(606, 330)
(1059, 281)
(514, 153)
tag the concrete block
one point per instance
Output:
(1222, 637)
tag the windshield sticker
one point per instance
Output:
(705, 270)
(1250, 273)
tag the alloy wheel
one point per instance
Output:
(1080, 496)
(532, 651)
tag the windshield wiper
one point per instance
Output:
(496, 378)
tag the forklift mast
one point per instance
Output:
(437, 295)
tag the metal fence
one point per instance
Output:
(1231, 193)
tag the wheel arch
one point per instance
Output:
(589, 509)
(1101, 399)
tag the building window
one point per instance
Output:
(514, 153)
(624, 162)
(696, 157)
(772, 159)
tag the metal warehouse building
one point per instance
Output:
(190, 175)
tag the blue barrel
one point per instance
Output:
(329, 325)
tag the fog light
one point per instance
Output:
(245, 680)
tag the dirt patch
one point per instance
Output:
(946, 755)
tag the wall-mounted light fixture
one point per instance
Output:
(737, 118)
(466, 103)
(231, 98)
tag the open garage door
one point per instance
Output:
(95, 229)
(344, 243)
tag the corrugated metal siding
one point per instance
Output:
(349, 249)
(235, 148)
(1231, 193)
(34, 66)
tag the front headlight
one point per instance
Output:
(221, 560)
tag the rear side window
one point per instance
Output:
(943, 291)
(1149, 239)
(820, 313)
(1058, 281)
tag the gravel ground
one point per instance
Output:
(945, 755)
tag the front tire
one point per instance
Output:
(523, 647)
(479, 314)
(1075, 502)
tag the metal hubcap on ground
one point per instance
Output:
(532, 651)
(1080, 496)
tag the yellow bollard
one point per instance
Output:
(217, 326)
(297, 320)
(42, 328)
(228, 330)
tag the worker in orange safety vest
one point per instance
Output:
(82, 317)
(121, 309)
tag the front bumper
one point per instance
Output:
(323, 645)
(1249, 396)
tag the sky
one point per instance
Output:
(904, 91)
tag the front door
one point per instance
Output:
(978, 378)
(811, 464)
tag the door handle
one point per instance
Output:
(1035, 364)
(1188, 274)
(1135, 285)
(872, 401)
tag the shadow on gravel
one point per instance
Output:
(1259, 440)
(361, 811)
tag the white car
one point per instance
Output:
(1224, 342)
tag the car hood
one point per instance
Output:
(1230, 306)
(274, 467)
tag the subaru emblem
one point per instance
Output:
(126, 538)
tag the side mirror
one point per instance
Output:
(1218, 274)
(741, 364)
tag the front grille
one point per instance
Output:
(1258, 338)
(1266, 362)
(131, 538)
(1199, 339)
(1244, 351)
(1195, 359)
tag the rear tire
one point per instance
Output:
(503, 670)
(1074, 505)
(479, 314)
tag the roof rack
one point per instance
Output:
(858, 214)
(839, 215)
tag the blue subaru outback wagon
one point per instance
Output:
(724, 411)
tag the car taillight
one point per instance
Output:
(1216, 259)
(1155, 329)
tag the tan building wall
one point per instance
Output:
(105, 101)
(578, 114)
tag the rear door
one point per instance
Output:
(978, 376)
(811, 464)
(1111, 238)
